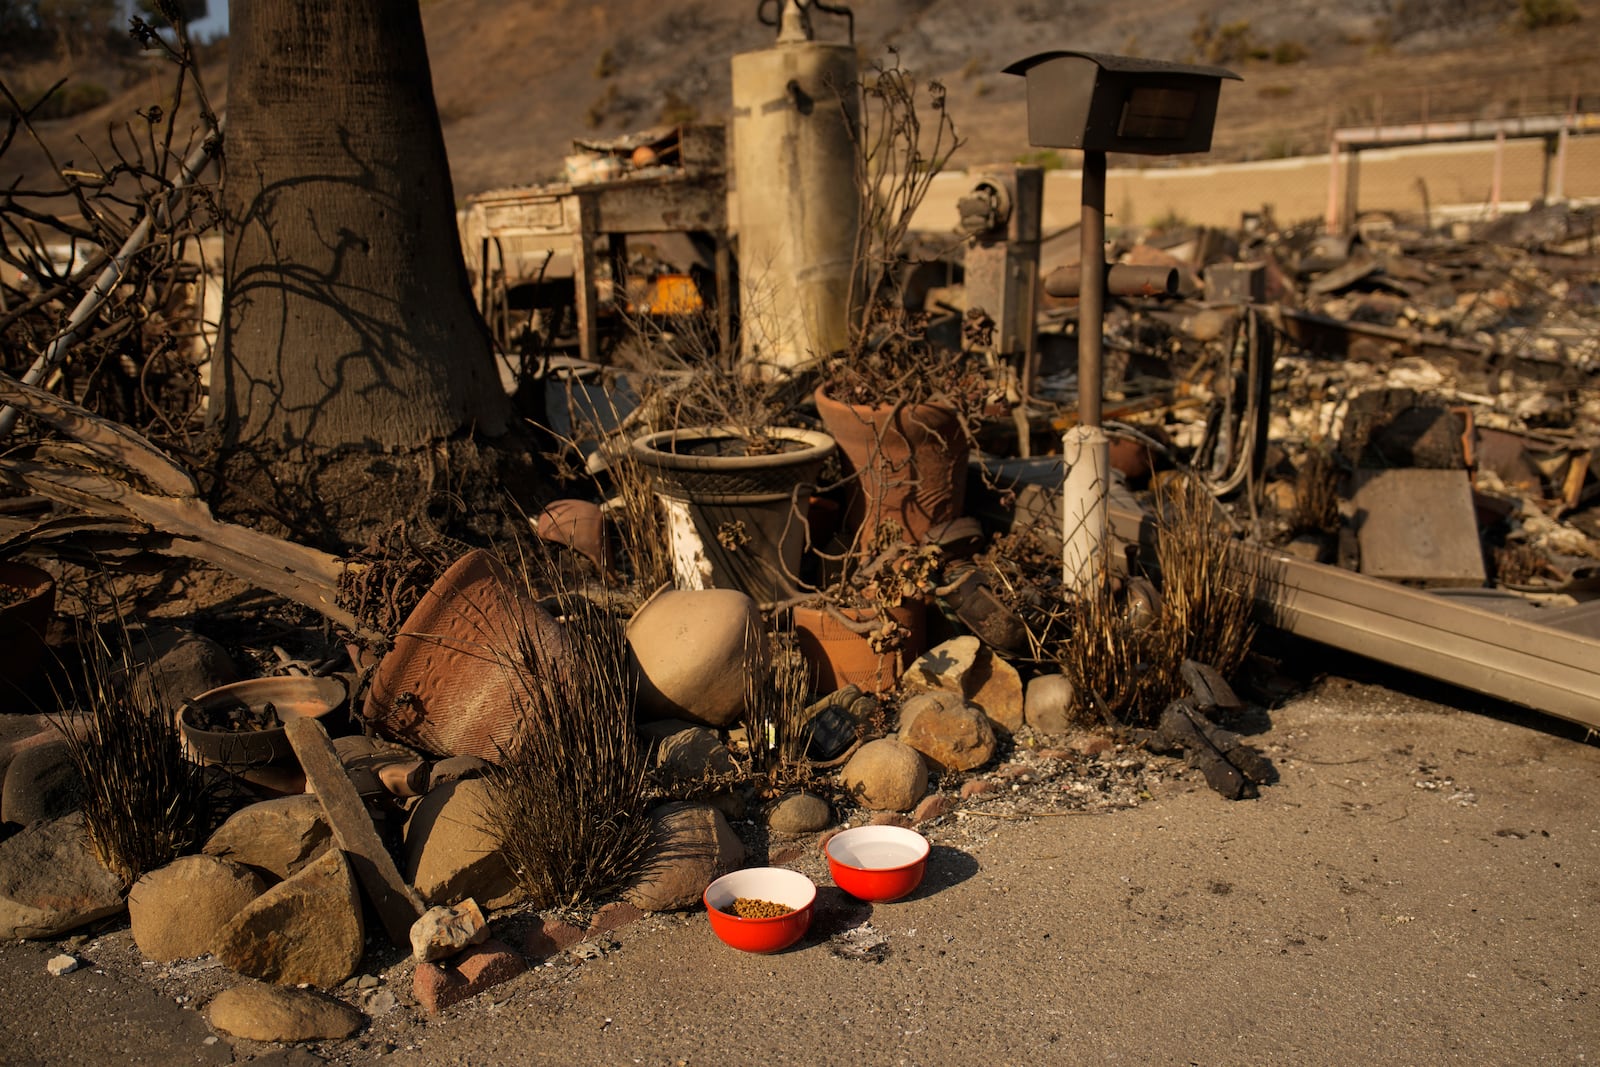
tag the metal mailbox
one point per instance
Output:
(1108, 103)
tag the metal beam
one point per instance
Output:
(1508, 658)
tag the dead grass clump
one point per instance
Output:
(641, 526)
(1316, 503)
(145, 804)
(775, 715)
(1120, 668)
(1127, 664)
(1208, 587)
(566, 798)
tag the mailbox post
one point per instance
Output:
(1102, 103)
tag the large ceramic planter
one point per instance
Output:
(27, 597)
(909, 464)
(839, 656)
(736, 521)
(446, 686)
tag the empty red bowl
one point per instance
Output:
(877, 863)
(776, 885)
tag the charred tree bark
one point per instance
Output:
(348, 312)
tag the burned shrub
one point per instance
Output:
(566, 797)
(145, 803)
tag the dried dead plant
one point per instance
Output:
(1122, 670)
(1316, 498)
(566, 798)
(1125, 665)
(775, 714)
(888, 358)
(641, 526)
(136, 356)
(145, 803)
(1208, 582)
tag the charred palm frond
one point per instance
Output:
(566, 799)
(145, 803)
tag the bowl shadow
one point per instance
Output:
(837, 911)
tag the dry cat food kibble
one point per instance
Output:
(748, 908)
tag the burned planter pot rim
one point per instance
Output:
(706, 463)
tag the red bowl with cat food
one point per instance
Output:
(761, 909)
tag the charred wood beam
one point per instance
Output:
(114, 472)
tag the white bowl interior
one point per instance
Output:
(877, 848)
(777, 885)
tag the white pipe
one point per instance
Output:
(1086, 455)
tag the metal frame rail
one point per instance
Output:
(1511, 659)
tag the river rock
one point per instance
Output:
(178, 910)
(691, 845)
(799, 813)
(278, 836)
(886, 775)
(306, 929)
(181, 664)
(41, 783)
(690, 755)
(50, 881)
(261, 1012)
(444, 931)
(1051, 704)
(952, 734)
(693, 649)
(451, 851)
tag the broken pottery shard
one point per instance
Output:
(437, 986)
(397, 904)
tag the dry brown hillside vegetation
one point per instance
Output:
(517, 82)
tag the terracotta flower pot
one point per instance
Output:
(838, 656)
(911, 463)
(446, 686)
(737, 521)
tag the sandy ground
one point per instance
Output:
(1420, 886)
